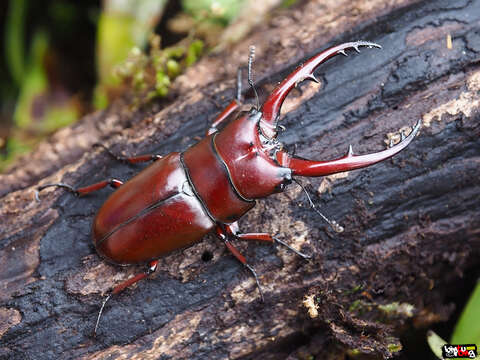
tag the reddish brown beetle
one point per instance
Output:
(181, 197)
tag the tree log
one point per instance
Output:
(411, 223)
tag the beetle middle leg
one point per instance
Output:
(129, 159)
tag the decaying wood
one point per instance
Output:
(411, 223)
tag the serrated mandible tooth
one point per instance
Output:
(313, 78)
(350, 150)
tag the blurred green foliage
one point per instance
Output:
(36, 94)
(467, 329)
(221, 12)
(14, 35)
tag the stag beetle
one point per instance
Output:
(182, 196)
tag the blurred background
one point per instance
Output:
(62, 59)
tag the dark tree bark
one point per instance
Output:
(411, 223)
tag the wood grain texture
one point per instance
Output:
(411, 223)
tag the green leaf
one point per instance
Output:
(467, 330)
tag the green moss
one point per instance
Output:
(355, 306)
(396, 308)
(288, 3)
(194, 51)
(354, 290)
(354, 352)
(167, 64)
(162, 84)
(394, 347)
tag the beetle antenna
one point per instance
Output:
(333, 224)
(251, 57)
(100, 313)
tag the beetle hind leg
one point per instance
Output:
(223, 232)
(122, 286)
(80, 191)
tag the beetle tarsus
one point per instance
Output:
(61, 185)
(302, 255)
(100, 313)
(252, 270)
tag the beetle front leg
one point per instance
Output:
(234, 105)
(234, 231)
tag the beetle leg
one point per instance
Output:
(233, 230)
(223, 236)
(348, 162)
(83, 190)
(151, 269)
(130, 159)
(234, 105)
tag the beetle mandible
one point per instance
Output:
(182, 196)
